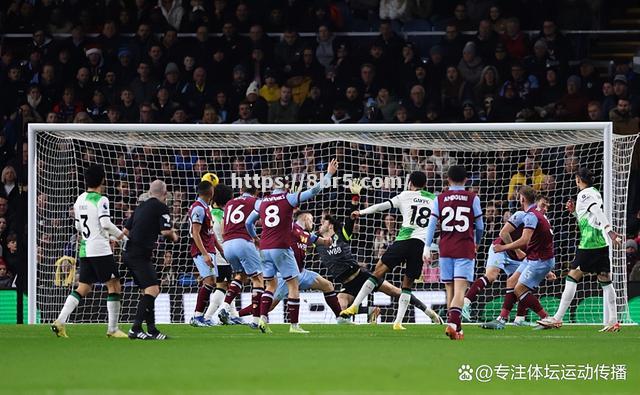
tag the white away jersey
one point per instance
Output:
(591, 235)
(88, 209)
(415, 207)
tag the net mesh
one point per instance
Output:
(497, 161)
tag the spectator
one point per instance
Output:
(97, 108)
(633, 261)
(270, 91)
(284, 110)
(594, 111)
(386, 104)
(245, 115)
(143, 86)
(460, 18)
(288, 51)
(416, 106)
(114, 115)
(163, 107)
(470, 66)
(340, 114)
(452, 43)
(489, 85)
(68, 107)
(573, 105)
(529, 173)
(14, 257)
(197, 93)
(620, 90)
(259, 106)
(454, 90)
(129, 107)
(623, 121)
(6, 277)
(515, 41)
(38, 103)
(486, 40)
(557, 44)
(325, 47)
(591, 83)
(168, 12)
(314, 109)
(146, 113)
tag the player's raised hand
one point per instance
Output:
(355, 214)
(615, 238)
(333, 166)
(571, 206)
(356, 186)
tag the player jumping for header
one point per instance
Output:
(276, 215)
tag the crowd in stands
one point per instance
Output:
(173, 61)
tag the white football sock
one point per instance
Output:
(366, 289)
(567, 296)
(611, 314)
(216, 299)
(69, 305)
(113, 310)
(403, 304)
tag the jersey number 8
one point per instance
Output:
(272, 218)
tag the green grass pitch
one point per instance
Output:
(330, 360)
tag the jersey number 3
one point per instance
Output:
(85, 231)
(449, 215)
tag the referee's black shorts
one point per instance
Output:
(143, 271)
(98, 269)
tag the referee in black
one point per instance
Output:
(148, 220)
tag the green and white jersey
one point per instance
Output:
(89, 208)
(217, 215)
(591, 229)
(415, 207)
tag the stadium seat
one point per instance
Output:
(589, 311)
(634, 309)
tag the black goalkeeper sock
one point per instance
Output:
(143, 305)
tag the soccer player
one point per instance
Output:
(150, 218)
(301, 238)
(222, 195)
(97, 265)
(461, 227)
(276, 215)
(415, 205)
(241, 252)
(507, 261)
(537, 238)
(203, 249)
(593, 252)
(344, 268)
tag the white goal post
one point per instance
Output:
(56, 154)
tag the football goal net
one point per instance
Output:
(499, 158)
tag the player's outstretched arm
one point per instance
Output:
(296, 198)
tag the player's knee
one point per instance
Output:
(84, 289)
(604, 277)
(113, 286)
(209, 280)
(153, 290)
(322, 284)
(492, 275)
(575, 274)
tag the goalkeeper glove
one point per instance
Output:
(355, 187)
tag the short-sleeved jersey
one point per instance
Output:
(276, 216)
(415, 207)
(236, 213)
(148, 220)
(457, 239)
(217, 217)
(540, 246)
(199, 213)
(89, 208)
(591, 230)
(300, 239)
(517, 221)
